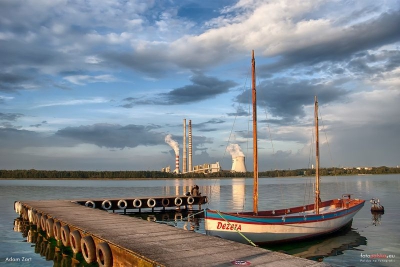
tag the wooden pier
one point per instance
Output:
(112, 239)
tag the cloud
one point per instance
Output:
(285, 98)
(202, 88)
(84, 79)
(10, 116)
(113, 135)
(96, 100)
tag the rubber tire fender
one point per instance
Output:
(104, 255)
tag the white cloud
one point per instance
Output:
(74, 102)
(85, 79)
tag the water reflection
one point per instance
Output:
(49, 249)
(319, 248)
(376, 218)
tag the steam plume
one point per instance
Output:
(172, 143)
(235, 150)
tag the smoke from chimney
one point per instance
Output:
(172, 143)
(235, 150)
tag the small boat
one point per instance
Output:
(283, 225)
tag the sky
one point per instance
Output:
(98, 85)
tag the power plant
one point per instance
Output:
(238, 164)
(187, 162)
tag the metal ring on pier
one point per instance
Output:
(190, 200)
(165, 202)
(57, 230)
(122, 204)
(151, 202)
(106, 205)
(137, 203)
(49, 227)
(178, 201)
(90, 204)
(65, 235)
(104, 255)
(75, 240)
(88, 249)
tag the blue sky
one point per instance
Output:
(97, 85)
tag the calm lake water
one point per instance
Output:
(369, 235)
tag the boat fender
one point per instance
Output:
(273, 212)
(90, 204)
(30, 216)
(88, 249)
(106, 205)
(178, 201)
(137, 203)
(57, 230)
(34, 212)
(49, 227)
(190, 200)
(65, 235)
(122, 204)
(104, 255)
(38, 219)
(75, 240)
(165, 202)
(151, 203)
(43, 222)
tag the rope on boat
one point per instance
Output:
(192, 215)
(237, 231)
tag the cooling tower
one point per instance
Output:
(238, 164)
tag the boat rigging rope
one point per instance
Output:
(237, 231)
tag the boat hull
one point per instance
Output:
(279, 228)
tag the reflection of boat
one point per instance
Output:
(329, 246)
(283, 225)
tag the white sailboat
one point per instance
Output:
(295, 223)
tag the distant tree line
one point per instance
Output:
(53, 174)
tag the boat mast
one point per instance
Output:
(255, 149)
(317, 196)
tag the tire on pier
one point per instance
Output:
(32, 219)
(104, 255)
(37, 220)
(106, 205)
(49, 227)
(165, 202)
(190, 200)
(65, 235)
(90, 204)
(43, 221)
(178, 201)
(75, 241)
(122, 204)
(151, 202)
(57, 230)
(88, 249)
(137, 203)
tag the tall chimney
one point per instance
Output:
(190, 146)
(184, 160)
(177, 164)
